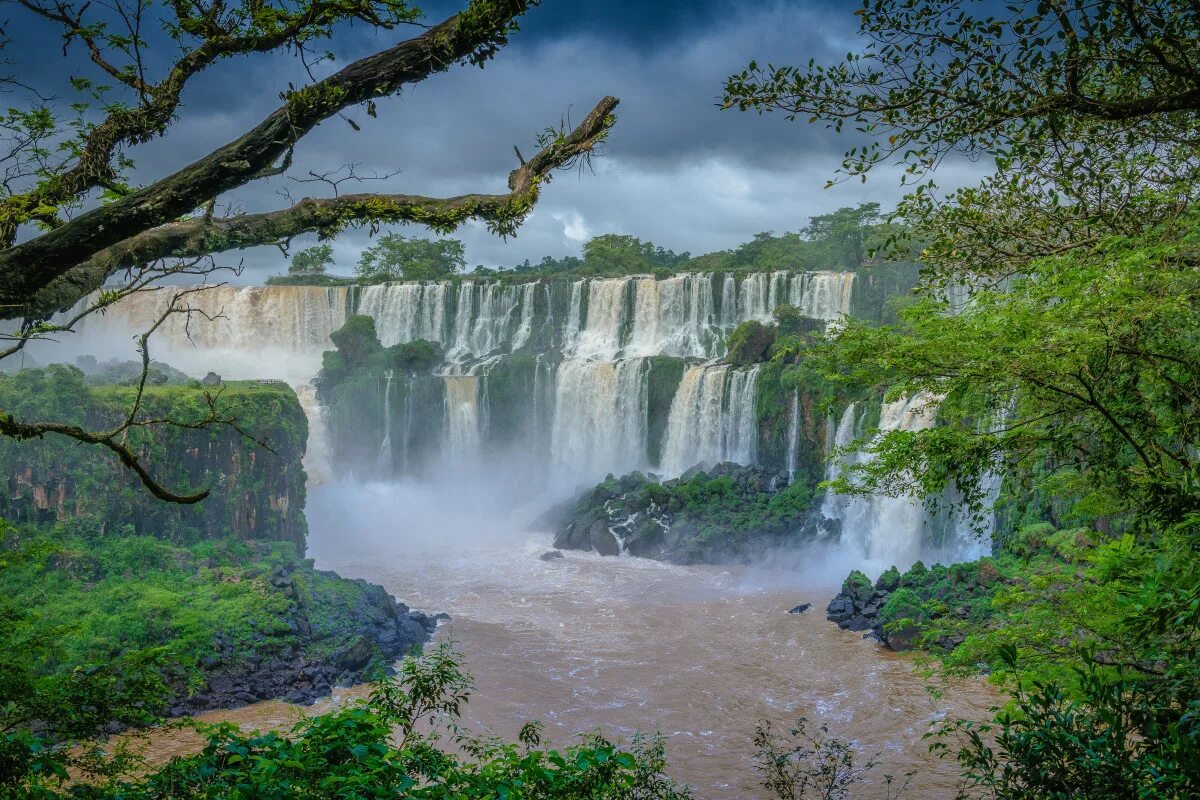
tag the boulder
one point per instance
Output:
(356, 656)
(903, 639)
(551, 555)
(603, 540)
(800, 609)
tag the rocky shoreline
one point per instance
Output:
(319, 648)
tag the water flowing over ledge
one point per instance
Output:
(564, 380)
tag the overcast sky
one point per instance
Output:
(677, 170)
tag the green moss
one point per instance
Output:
(107, 594)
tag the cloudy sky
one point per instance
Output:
(678, 170)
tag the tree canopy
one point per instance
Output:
(313, 260)
(1056, 334)
(395, 257)
(1087, 107)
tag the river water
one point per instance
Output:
(699, 654)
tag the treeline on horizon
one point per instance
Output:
(846, 239)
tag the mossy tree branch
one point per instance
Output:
(199, 236)
(472, 36)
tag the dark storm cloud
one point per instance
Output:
(677, 170)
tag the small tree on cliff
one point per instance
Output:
(395, 257)
(312, 260)
(72, 220)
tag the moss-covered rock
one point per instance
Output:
(238, 621)
(728, 514)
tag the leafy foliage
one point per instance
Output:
(313, 260)
(395, 257)
(1080, 380)
(391, 746)
(105, 627)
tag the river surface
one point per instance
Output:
(699, 654)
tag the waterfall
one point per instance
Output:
(600, 335)
(835, 506)
(317, 464)
(728, 301)
(404, 312)
(599, 422)
(407, 431)
(823, 295)
(885, 530)
(712, 418)
(385, 446)
(673, 316)
(587, 340)
(525, 325)
(793, 436)
(461, 405)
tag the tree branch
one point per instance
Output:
(473, 35)
(200, 236)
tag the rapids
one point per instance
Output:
(700, 654)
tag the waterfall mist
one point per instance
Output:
(546, 387)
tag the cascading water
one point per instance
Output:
(599, 422)
(600, 335)
(404, 312)
(793, 450)
(317, 463)
(461, 405)
(884, 530)
(385, 446)
(712, 418)
(584, 339)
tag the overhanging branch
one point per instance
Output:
(474, 35)
(201, 236)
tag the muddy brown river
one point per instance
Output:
(698, 654)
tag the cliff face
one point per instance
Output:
(255, 492)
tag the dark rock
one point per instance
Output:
(357, 655)
(858, 623)
(840, 609)
(903, 639)
(800, 609)
(602, 539)
(550, 555)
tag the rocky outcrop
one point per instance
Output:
(725, 514)
(902, 610)
(337, 632)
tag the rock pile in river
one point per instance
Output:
(727, 513)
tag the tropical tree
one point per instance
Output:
(395, 257)
(1058, 335)
(620, 254)
(845, 232)
(311, 260)
(1088, 109)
